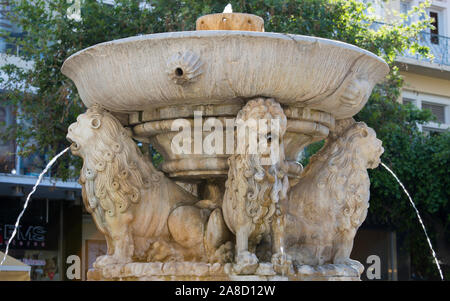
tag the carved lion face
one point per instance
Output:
(83, 132)
(369, 146)
(265, 120)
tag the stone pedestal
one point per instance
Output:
(230, 21)
(194, 271)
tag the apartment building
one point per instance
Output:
(427, 82)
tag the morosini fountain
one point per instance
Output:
(221, 208)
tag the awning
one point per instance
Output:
(13, 269)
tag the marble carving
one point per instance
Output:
(253, 191)
(330, 201)
(143, 214)
(225, 216)
(146, 217)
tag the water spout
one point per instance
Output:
(16, 226)
(228, 9)
(418, 215)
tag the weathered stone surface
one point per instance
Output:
(181, 271)
(331, 199)
(265, 269)
(142, 213)
(322, 74)
(187, 222)
(304, 126)
(140, 269)
(255, 189)
(197, 269)
(230, 21)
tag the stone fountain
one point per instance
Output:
(225, 214)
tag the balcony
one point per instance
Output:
(9, 48)
(439, 48)
(438, 45)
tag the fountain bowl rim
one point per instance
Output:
(148, 63)
(220, 33)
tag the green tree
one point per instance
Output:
(50, 101)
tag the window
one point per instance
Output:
(438, 105)
(431, 131)
(408, 100)
(405, 6)
(434, 32)
(438, 110)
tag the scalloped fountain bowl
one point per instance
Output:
(157, 78)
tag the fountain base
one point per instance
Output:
(197, 271)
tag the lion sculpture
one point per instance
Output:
(331, 200)
(254, 190)
(143, 214)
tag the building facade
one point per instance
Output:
(426, 81)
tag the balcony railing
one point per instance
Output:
(9, 48)
(439, 46)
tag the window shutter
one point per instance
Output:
(436, 109)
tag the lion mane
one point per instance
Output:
(143, 214)
(342, 167)
(259, 186)
(114, 172)
(330, 201)
(113, 165)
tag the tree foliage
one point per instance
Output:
(50, 101)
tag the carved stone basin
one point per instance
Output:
(158, 78)
(210, 67)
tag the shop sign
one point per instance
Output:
(27, 237)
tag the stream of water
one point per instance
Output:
(16, 226)
(418, 215)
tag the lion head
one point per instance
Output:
(114, 169)
(262, 120)
(351, 145)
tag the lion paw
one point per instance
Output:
(246, 263)
(106, 260)
(282, 263)
(351, 263)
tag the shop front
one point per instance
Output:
(47, 234)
